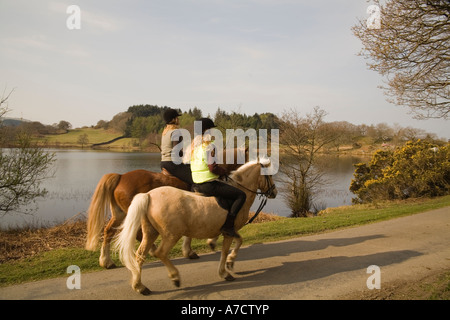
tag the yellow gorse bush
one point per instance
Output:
(418, 169)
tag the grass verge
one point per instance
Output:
(54, 262)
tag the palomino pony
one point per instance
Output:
(117, 191)
(173, 213)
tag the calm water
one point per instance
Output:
(78, 172)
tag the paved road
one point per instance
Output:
(324, 266)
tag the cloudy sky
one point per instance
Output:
(240, 55)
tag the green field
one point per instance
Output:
(70, 139)
(53, 263)
(94, 136)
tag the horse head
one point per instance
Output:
(250, 177)
(267, 186)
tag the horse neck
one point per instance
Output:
(248, 177)
(246, 183)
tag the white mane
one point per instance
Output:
(243, 168)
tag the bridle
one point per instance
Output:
(262, 195)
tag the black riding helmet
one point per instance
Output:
(170, 114)
(207, 124)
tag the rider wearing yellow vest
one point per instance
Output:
(199, 163)
(205, 174)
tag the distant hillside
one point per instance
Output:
(12, 122)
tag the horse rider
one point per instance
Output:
(181, 171)
(206, 173)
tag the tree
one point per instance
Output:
(4, 103)
(196, 113)
(83, 139)
(411, 49)
(344, 132)
(141, 127)
(101, 124)
(64, 125)
(22, 169)
(120, 121)
(301, 139)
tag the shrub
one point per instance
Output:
(417, 169)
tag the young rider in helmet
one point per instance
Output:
(181, 171)
(205, 174)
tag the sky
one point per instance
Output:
(248, 56)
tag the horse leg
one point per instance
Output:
(162, 252)
(223, 273)
(212, 243)
(187, 249)
(232, 256)
(117, 216)
(149, 236)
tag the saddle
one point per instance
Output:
(222, 202)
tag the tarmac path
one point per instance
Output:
(325, 266)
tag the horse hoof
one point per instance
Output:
(229, 278)
(111, 266)
(212, 246)
(146, 292)
(176, 283)
(230, 266)
(193, 256)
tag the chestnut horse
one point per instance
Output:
(187, 214)
(117, 190)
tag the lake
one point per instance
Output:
(77, 172)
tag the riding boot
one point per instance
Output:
(228, 227)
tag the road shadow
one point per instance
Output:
(297, 272)
(281, 248)
(288, 272)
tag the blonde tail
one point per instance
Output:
(126, 239)
(98, 209)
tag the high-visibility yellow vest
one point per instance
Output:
(199, 164)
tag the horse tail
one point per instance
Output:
(125, 240)
(98, 209)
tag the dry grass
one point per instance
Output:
(26, 242)
(265, 217)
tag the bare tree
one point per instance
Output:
(301, 139)
(411, 49)
(4, 103)
(22, 169)
(83, 140)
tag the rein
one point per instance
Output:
(261, 206)
(262, 195)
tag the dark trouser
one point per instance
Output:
(181, 171)
(221, 189)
